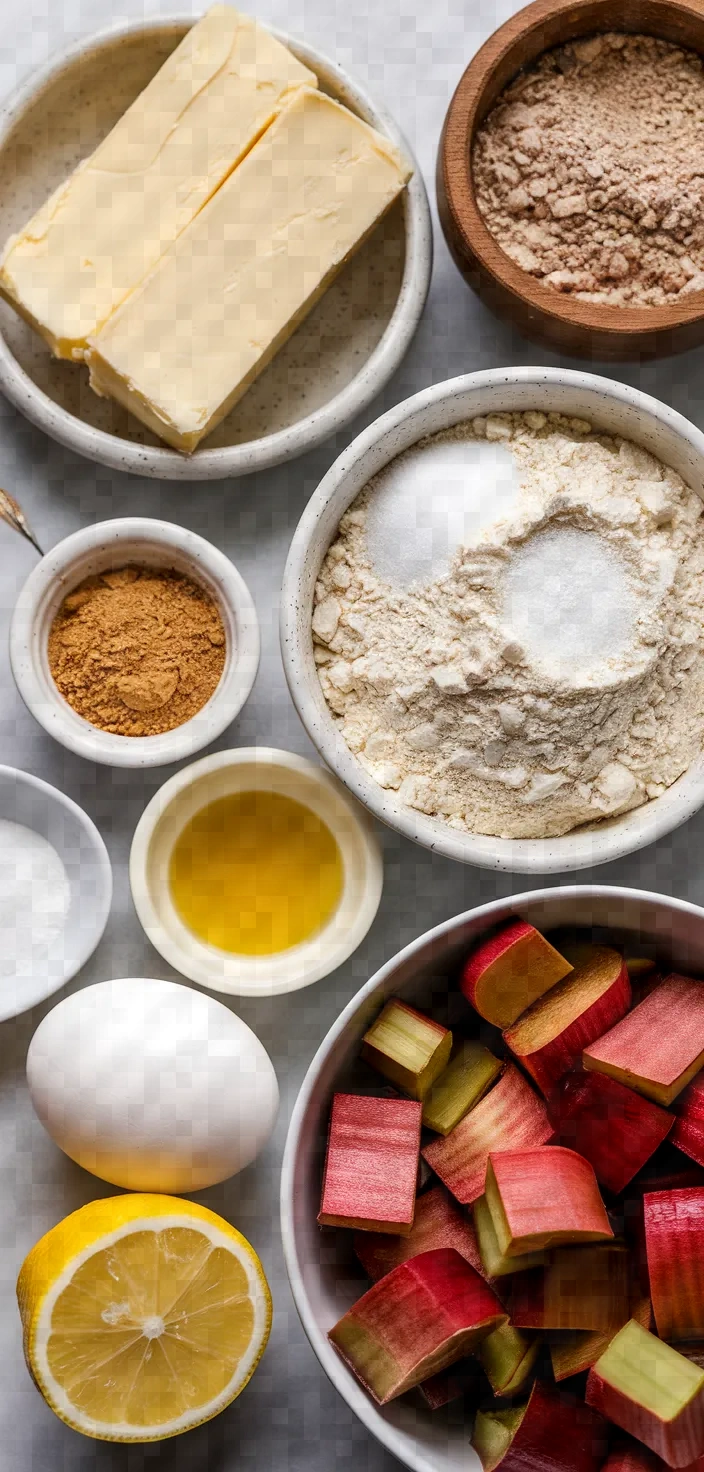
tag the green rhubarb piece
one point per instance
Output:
(649, 1372)
(493, 1433)
(494, 1262)
(508, 1357)
(407, 1047)
(460, 1086)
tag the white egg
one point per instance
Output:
(151, 1085)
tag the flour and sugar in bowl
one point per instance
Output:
(509, 626)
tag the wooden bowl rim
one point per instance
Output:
(461, 122)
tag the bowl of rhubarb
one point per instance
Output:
(493, 1190)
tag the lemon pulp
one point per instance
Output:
(255, 873)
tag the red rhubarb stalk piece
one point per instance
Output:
(508, 972)
(438, 1222)
(550, 1434)
(548, 1039)
(650, 1390)
(659, 1047)
(580, 1288)
(688, 1134)
(614, 1129)
(371, 1164)
(543, 1198)
(510, 1114)
(409, 1048)
(422, 1317)
(674, 1242)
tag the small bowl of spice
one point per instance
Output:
(253, 872)
(134, 643)
(569, 175)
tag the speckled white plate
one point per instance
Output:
(613, 407)
(329, 371)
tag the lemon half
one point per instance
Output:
(143, 1316)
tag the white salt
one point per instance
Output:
(431, 501)
(34, 899)
(567, 598)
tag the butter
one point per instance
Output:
(191, 339)
(108, 224)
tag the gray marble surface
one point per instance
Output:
(410, 56)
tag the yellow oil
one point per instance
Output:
(255, 873)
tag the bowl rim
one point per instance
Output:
(101, 902)
(493, 910)
(334, 952)
(465, 114)
(60, 720)
(160, 462)
(582, 848)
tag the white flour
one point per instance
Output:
(34, 899)
(552, 672)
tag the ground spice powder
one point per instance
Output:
(589, 170)
(137, 651)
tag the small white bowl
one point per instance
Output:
(332, 368)
(611, 406)
(35, 804)
(245, 770)
(114, 544)
(323, 1281)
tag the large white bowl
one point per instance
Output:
(319, 1266)
(329, 371)
(611, 406)
(113, 544)
(35, 804)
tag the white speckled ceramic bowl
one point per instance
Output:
(249, 769)
(324, 1277)
(329, 371)
(113, 544)
(611, 406)
(34, 804)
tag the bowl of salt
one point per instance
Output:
(489, 619)
(55, 890)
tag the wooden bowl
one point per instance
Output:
(587, 329)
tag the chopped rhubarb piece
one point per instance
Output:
(674, 1241)
(614, 1129)
(438, 1222)
(550, 1432)
(688, 1134)
(510, 1114)
(573, 1353)
(549, 1038)
(460, 1086)
(659, 1046)
(508, 972)
(494, 1262)
(371, 1164)
(542, 1198)
(508, 1359)
(651, 1391)
(422, 1317)
(580, 1288)
(407, 1047)
(632, 1456)
(462, 1378)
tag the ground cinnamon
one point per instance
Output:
(137, 651)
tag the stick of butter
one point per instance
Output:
(191, 339)
(108, 224)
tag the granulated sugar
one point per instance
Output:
(588, 171)
(553, 673)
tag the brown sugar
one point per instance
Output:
(589, 170)
(137, 651)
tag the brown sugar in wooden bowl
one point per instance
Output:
(587, 329)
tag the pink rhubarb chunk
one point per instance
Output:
(510, 1114)
(371, 1165)
(688, 1134)
(508, 972)
(438, 1222)
(674, 1240)
(614, 1129)
(659, 1046)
